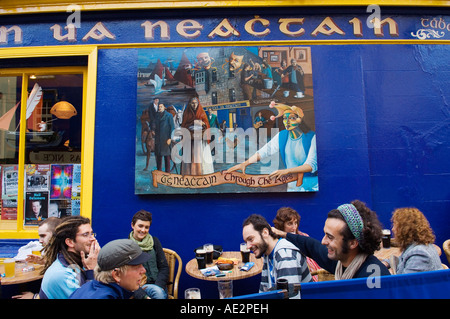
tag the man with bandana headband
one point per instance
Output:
(352, 235)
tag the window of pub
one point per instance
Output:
(43, 143)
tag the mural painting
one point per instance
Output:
(225, 119)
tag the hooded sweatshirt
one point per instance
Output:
(285, 261)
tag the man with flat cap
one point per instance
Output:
(118, 272)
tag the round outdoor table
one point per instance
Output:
(235, 274)
(386, 253)
(22, 277)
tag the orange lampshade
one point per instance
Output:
(63, 110)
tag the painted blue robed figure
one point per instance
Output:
(296, 146)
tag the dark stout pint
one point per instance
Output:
(245, 253)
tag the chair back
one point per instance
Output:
(446, 247)
(174, 276)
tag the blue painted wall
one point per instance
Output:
(383, 129)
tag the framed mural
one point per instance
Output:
(225, 120)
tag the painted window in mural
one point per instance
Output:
(225, 119)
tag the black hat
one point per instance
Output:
(120, 252)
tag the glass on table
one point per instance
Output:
(209, 249)
(192, 293)
(245, 253)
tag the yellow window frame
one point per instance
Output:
(88, 122)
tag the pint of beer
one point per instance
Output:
(10, 267)
(245, 253)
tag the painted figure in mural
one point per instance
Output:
(235, 61)
(246, 81)
(212, 119)
(147, 136)
(204, 61)
(258, 123)
(223, 127)
(152, 110)
(296, 145)
(279, 76)
(296, 81)
(259, 120)
(196, 121)
(148, 129)
(266, 69)
(164, 127)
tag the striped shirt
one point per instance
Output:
(285, 261)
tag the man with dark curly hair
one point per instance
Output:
(352, 235)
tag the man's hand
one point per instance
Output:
(91, 261)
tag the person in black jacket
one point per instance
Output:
(352, 235)
(157, 269)
(164, 127)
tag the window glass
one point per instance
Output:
(10, 94)
(52, 167)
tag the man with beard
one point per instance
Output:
(70, 258)
(352, 235)
(282, 260)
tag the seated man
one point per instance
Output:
(118, 273)
(70, 258)
(45, 231)
(281, 258)
(352, 235)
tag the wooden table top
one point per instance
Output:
(235, 274)
(386, 253)
(21, 276)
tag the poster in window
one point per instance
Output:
(9, 209)
(10, 180)
(37, 177)
(61, 181)
(60, 208)
(252, 129)
(36, 207)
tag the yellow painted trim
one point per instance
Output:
(21, 164)
(88, 121)
(44, 6)
(40, 70)
(88, 134)
(271, 43)
(46, 51)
